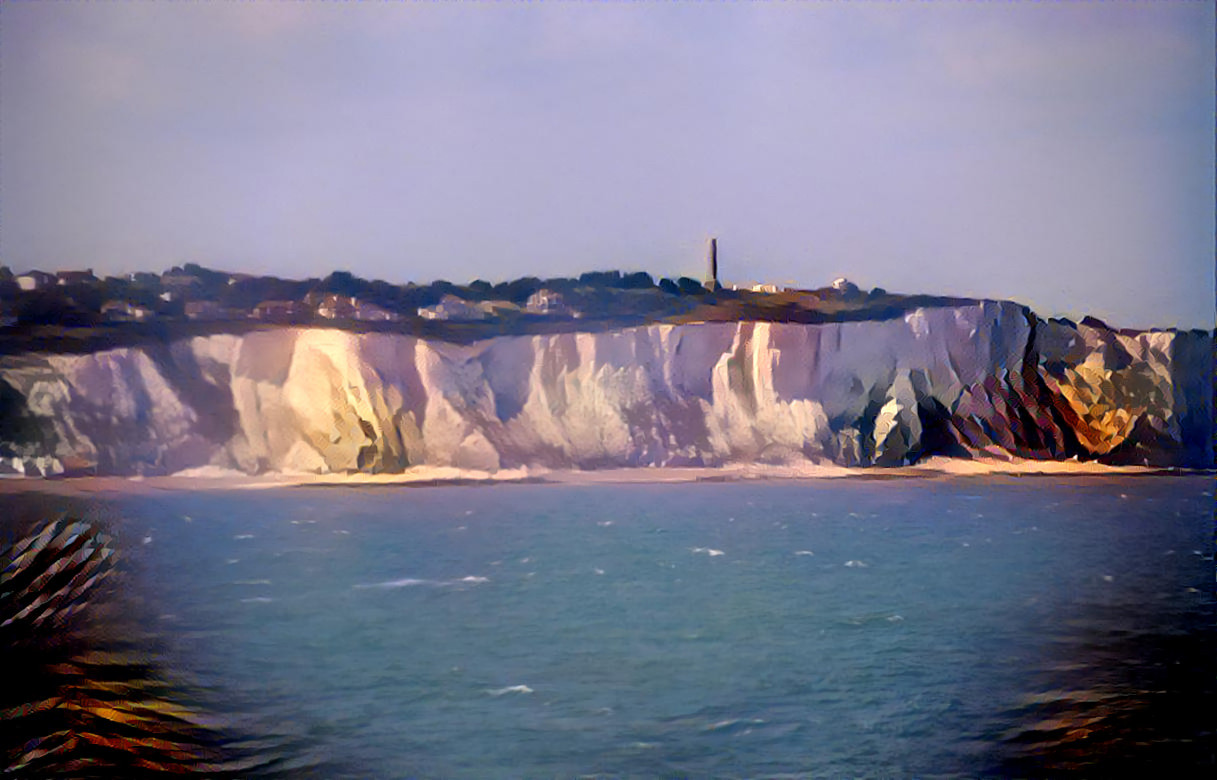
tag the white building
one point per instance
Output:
(370, 312)
(545, 301)
(452, 308)
(35, 280)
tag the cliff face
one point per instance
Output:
(983, 378)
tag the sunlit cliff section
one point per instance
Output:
(1131, 397)
(984, 379)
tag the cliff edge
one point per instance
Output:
(988, 378)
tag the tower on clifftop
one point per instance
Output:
(712, 265)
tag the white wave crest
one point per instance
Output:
(509, 689)
(730, 722)
(412, 582)
(708, 551)
(407, 582)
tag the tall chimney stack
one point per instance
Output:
(712, 265)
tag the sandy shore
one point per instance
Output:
(426, 476)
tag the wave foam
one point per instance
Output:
(411, 582)
(407, 582)
(732, 722)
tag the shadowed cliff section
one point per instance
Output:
(979, 378)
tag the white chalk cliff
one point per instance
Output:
(984, 378)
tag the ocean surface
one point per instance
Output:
(836, 628)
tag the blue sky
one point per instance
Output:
(1061, 155)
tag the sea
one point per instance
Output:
(859, 627)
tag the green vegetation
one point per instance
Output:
(75, 311)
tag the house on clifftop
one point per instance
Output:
(549, 302)
(279, 311)
(451, 307)
(35, 280)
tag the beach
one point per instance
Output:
(209, 478)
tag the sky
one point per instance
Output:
(1060, 155)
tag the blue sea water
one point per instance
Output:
(843, 628)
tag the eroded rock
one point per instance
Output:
(979, 379)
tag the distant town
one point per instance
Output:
(38, 306)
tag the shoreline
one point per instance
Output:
(209, 479)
